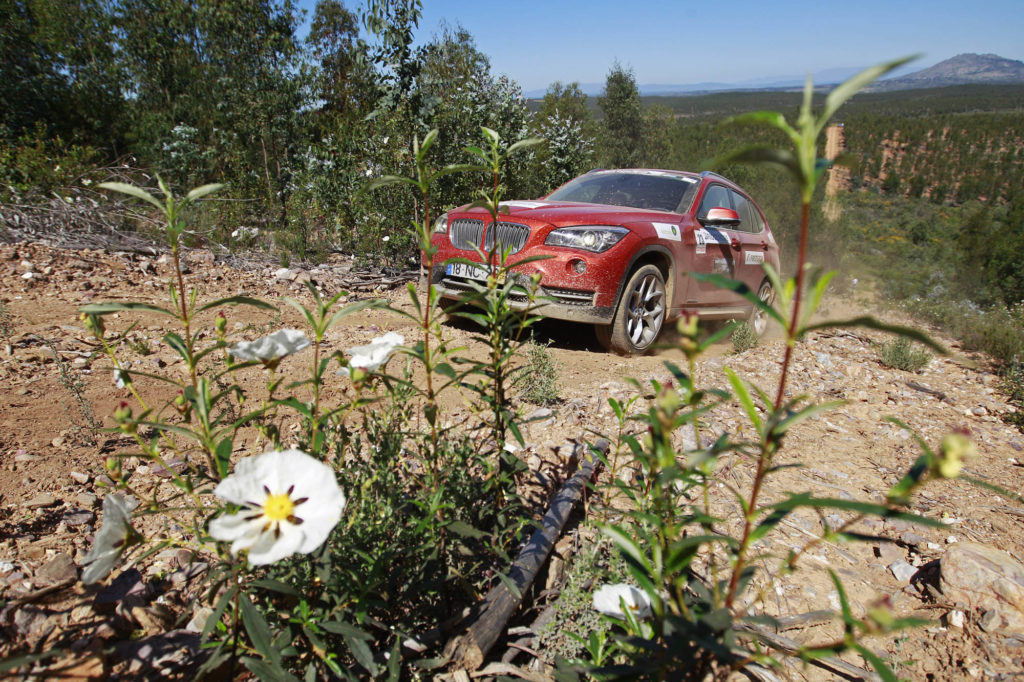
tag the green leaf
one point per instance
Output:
(266, 671)
(223, 456)
(200, 192)
(761, 154)
(237, 300)
(275, 586)
(880, 666)
(114, 306)
(176, 343)
(851, 86)
(465, 530)
(258, 630)
(134, 191)
(769, 523)
(427, 143)
(866, 508)
(527, 142)
(218, 611)
(740, 288)
(744, 397)
(869, 322)
(355, 308)
(386, 180)
(19, 661)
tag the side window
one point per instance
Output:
(749, 215)
(715, 196)
(742, 207)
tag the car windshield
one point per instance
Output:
(652, 190)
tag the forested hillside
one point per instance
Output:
(201, 92)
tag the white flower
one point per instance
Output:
(290, 502)
(111, 539)
(374, 354)
(121, 378)
(610, 599)
(386, 239)
(270, 349)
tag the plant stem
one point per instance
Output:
(770, 444)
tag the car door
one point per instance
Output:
(711, 251)
(753, 245)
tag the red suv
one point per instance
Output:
(621, 244)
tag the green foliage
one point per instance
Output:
(576, 624)
(1013, 387)
(622, 127)
(697, 573)
(743, 337)
(538, 379)
(902, 353)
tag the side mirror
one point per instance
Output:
(721, 216)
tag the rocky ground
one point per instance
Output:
(965, 578)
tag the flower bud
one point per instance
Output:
(123, 416)
(93, 323)
(955, 448)
(221, 323)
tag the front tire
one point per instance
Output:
(639, 315)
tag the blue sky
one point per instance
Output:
(682, 41)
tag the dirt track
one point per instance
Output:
(49, 474)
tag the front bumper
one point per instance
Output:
(573, 305)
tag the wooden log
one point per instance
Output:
(469, 649)
(832, 664)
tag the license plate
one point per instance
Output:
(471, 272)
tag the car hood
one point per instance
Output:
(563, 213)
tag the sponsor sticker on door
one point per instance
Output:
(668, 231)
(701, 236)
(753, 257)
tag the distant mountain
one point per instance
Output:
(959, 70)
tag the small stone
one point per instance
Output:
(23, 456)
(79, 477)
(984, 578)
(912, 538)
(979, 411)
(58, 569)
(951, 539)
(78, 517)
(955, 618)
(902, 571)
(126, 588)
(40, 501)
(889, 552)
(542, 413)
(57, 442)
(990, 621)
(87, 500)
(199, 618)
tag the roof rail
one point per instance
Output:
(710, 174)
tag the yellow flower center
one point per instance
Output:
(278, 507)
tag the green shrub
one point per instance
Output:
(1013, 386)
(743, 337)
(902, 353)
(539, 376)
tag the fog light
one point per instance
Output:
(579, 267)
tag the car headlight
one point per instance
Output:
(595, 238)
(441, 224)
